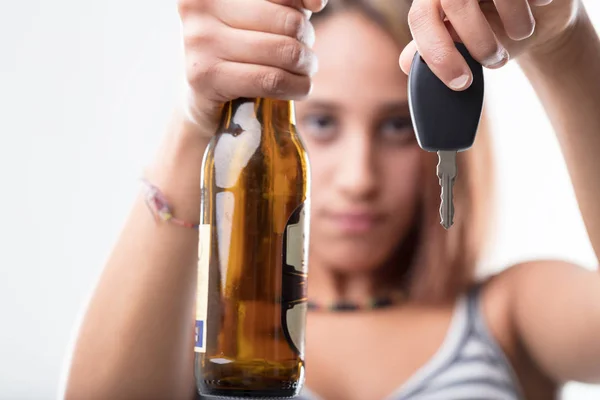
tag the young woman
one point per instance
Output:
(374, 224)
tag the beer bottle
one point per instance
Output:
(251, 298)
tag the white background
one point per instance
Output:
(86, 89)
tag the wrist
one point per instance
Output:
(564, 50)
(183, 142)
(200, 115)
(176, 167)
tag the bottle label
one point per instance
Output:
(204, 236)
(294, 294)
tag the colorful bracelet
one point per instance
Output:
(160, 208)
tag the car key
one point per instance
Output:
(445, 121)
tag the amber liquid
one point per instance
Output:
(255, 176)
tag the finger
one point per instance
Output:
(314, 5)
(516, 18)
(540, 2)
(407, 55)
(310, 5)
(267, 49)
(266, 16)
(452, 31)
(475, 32)
(297, 4)
(224, 80)
(436, 46)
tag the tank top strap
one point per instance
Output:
(475, 316)
(480, 329)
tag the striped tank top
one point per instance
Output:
(469, 365)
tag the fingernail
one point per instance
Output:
(315, 65)
(498, 59)
(309, 62)
(461, 82)
(308, 34)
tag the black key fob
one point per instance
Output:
(444, 119)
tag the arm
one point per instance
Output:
(556, 306)
(566, 77)
(136, 339)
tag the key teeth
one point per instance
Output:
(447, 224)
(446, 172)
(449, 221)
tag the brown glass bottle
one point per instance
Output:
(251, 304)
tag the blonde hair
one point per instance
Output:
(440, 264)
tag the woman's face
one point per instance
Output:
(364, 157)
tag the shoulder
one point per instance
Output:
(531, 278)
(523, 289)
(539, 278)
(526, 270)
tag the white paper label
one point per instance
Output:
(202, 290)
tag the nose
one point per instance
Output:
(356, 173)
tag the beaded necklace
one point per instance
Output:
(373, 303)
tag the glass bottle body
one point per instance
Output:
(252, 270)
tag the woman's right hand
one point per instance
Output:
(246, 48)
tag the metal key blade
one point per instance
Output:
(446, 172)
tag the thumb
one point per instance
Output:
(407, 55)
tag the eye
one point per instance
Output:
(319, 126)
(396, 129)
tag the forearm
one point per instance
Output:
(137, 336)
(567, 82)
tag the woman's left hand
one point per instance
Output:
(492, 31)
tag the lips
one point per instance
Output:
(354, 222)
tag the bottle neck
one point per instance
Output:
(273, 112)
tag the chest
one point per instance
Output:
(369, 357)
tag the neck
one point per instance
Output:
(328, 284)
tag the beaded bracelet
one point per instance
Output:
(160, 208)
